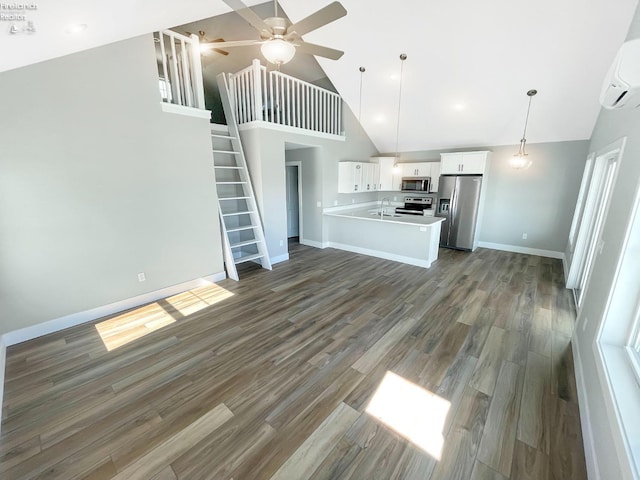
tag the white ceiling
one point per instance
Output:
(469, 63)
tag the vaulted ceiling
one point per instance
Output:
(464, 83)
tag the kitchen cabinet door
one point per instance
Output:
(350, 177)
(417, 169)
(474, 162)
(450, 163)
(435, 176)
(369, 179)
(388, 178)
(463, 163)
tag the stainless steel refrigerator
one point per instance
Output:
(458, 203)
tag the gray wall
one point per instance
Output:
(98, 184)
(538, 201)
(265, 152)
(611, 126)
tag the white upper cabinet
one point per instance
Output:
(355, 177)
(435, 176)
(422, 169)
(389, 178)
(461, 163)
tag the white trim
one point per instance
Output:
(57, 324)
(313, 243)
(3, 362)
(188, 111)
(298, 164)
(285, 128)
(280, 258)
(588, 441)
(380, 254)
(517, 249)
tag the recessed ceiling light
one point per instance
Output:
(380, 118)
(76, 28)
(458, 107)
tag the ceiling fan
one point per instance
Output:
(279, 38)
(207, 46)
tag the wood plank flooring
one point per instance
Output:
(271, 377)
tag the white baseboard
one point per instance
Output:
(280, 258)
(57, 324)
(526, 250)
(313, 243)
(591, 460)
(379, 254)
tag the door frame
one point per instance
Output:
(298, 165)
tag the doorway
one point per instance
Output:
(591, 212)
(293, 177)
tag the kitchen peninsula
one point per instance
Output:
(410, 239)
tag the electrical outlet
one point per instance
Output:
(142, 277)
(335, 203)
(353, 200)
(281, 243)
(318, 203)
(524, 236)
(395, 199)
(584, 324)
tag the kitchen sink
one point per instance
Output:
(378, 214)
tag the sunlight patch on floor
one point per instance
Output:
(411, 411)
(130, 326)
(137, 323)
(195, 300)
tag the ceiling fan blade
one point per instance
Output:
(325, 15)
(250, 16)
(236, 43)
(319, 50)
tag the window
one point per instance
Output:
(165, 90)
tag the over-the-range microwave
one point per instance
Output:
(416, 184)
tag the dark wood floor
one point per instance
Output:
(272, 377)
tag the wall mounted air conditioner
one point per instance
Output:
(621, 88)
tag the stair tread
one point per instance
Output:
(230, 152)
(228, 168)
(231, 183)
(244, 212)
(247, 258)
(226, 137)
(239, 229)
(245, 243)
(234, 198)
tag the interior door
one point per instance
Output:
(293, 204)
(591, 219)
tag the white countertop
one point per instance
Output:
(365, 213)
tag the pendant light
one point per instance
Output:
(361, 70)
(520, 160)
(403, 57)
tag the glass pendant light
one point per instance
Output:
(520, 161)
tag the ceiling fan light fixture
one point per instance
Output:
(278, 51)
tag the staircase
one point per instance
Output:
(242, 231)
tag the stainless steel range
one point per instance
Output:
(416, 206)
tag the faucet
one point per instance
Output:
(382, 206)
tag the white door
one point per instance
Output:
(590, 225)
(293, 203)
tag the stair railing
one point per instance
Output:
(275, 97)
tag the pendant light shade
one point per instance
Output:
(278, 51)
(521, 161)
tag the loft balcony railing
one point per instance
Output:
(258, 95)
(179, 69)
